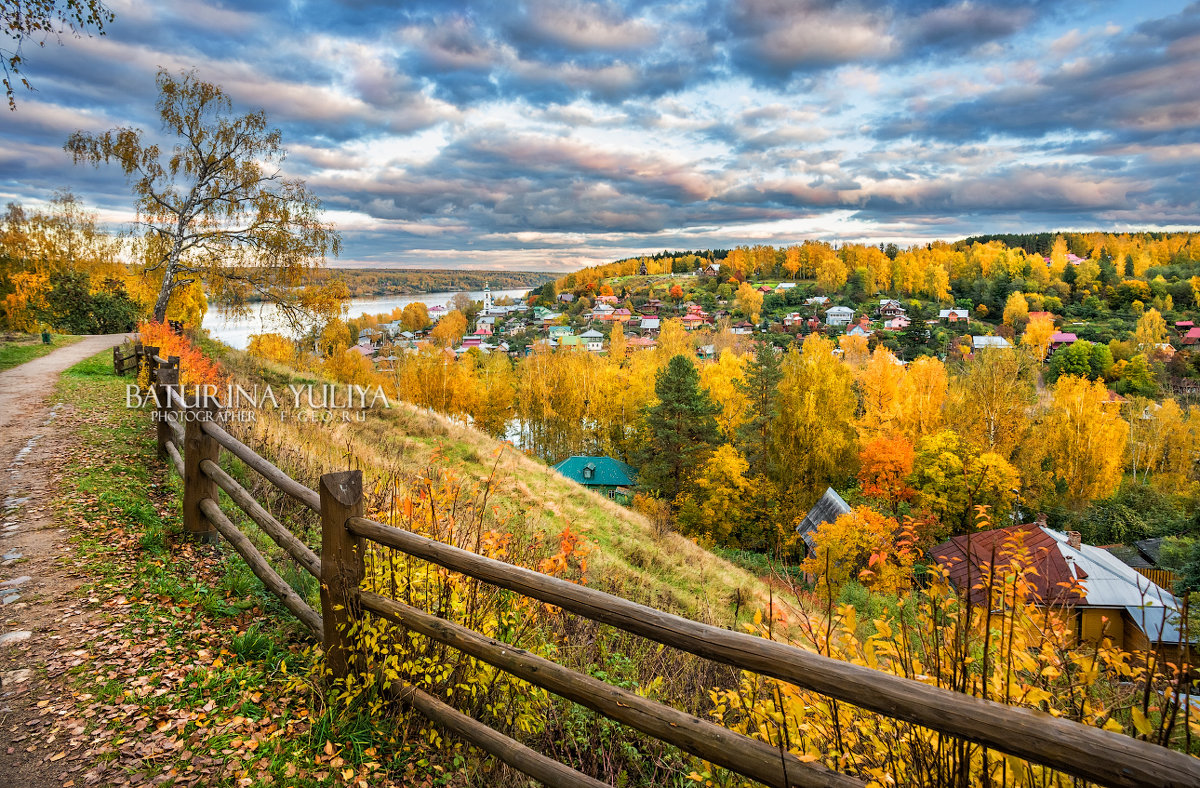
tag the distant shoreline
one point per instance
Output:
(383, 282)
(392, 282)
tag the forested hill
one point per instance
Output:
(409, 281)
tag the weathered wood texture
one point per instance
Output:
(262, 570)
(168, 378)
(150, 356)
(545, 770)
(176, 457)
(341, 568)
(198, 446)
(295, 548)
(1101, 756)
(287, 484)
(749, 757)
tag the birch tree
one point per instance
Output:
(215, 207)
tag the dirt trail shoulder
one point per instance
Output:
(35, 587)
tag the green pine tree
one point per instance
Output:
(682, 429)
(762, 376)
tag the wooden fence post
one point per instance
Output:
(199, 446)
(341, 568)
(118, 362)
(168, 381)
(151, 365)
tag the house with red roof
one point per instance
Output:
(1106, 597)
(1061, 339)
(1191, 337)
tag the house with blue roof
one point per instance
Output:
(611, 478)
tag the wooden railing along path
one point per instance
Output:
(194, 448)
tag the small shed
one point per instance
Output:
(827, 510)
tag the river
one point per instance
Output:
(236, 331)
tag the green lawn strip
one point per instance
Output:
(194, 675)
(14, 352)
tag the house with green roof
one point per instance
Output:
(611, 478)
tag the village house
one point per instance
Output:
(1105, 597)
(650, 325)
(783, 287)
(436, 313)
(792, 319)
(593, 340)
(1061, 339)
(897, 323)
(816, 301)
(889, 308)
(640, 343)
(955, 315)
(558, 332)
(1191, 337)
(611, 478)
(982, 343)
(601, 312)
(839, 316)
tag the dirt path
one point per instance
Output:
(35, 590)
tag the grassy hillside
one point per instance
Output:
(524, 497)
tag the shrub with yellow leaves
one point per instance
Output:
(1014, 650)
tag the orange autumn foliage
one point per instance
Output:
(863, 546)
(885, 464)
(195, 368)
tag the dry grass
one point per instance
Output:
(526, 498)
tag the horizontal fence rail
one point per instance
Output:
(194, 448)
(281, 480)
(749, 757)
(545, 770)
(1102, 756)
(295, 548)
(262, 570)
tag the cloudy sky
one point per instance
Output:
(550, 134)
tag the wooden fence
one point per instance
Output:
(194, 448)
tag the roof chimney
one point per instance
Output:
(1075, 539)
